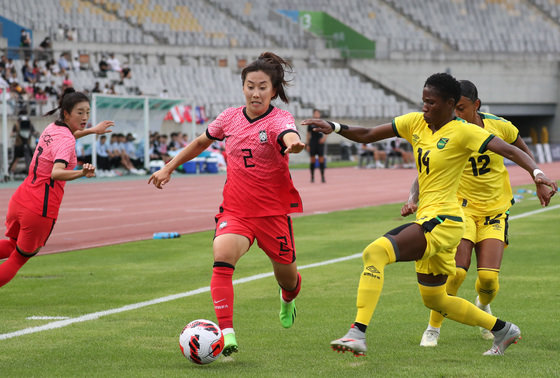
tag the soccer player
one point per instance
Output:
(258, 194)
(485, 195)
(315, 145)
(442, 145)
(33, 208)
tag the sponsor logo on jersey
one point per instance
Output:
(291, 126)
(262, 136)
(223, 225)
(442, 142)
(415, 138)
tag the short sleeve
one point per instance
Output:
(475, 138)
(65, 151)
(403, 125)
(511, 133)
(215, 129)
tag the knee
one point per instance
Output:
(488, 278)
(433, 297)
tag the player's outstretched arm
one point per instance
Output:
(355, 133)
(293, 143)
(523, 160)
(101, 128)
(60, 173)
(194, 149)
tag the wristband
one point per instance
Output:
(536, 171)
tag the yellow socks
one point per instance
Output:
(375, 257)
(455, 308)
(487, 285)
(452, 287)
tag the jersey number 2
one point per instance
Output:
(248, 154)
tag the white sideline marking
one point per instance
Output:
(97, 315)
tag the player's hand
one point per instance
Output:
(88, 170)
(295, 148)
(408, 208)
(160, 178)
(103, 127)
(544, 193)
(540, 178)
(319, 125)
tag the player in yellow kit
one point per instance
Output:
(442, 145)
(485, 195)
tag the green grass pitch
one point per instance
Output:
(143, 341)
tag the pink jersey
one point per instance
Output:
(39, 192)
(258, 178)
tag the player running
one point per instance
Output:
(33, 208)
(442, 145)
(258, 194)
(485, 195)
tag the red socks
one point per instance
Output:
(10, 267)
(221, 287)
(289, 296)
(7, 246)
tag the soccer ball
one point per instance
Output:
(201, 341)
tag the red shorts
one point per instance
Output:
(30, 230)
(274, 234)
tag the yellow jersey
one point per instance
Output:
(484, 187)
(440, 159)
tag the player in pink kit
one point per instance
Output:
(33, 208)
(258, 194)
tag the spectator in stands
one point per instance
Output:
(103, 157)
(175, 143)
(114, 63)
(315, 145)
(83, 153)
(126, 73)
(154, 147)
(162, 148)
(76, 64)
(24, 132)
(25, 43)
(183, 139)
(371, 152)
(46, 49)
(27, 72)
(395, 150)
(132, 151)
(51, 90)
(63, 63)
(66, 83)
(104, 67)
(96, 88)
(118, 156)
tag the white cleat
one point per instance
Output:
(503, 339)
(429, 338)
(486, 334)
(356, 346)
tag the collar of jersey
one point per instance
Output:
(270, 108)
(60, 123)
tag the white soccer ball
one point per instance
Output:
(201, 341)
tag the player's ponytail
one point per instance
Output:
(69, 98)
(468, 90)
(275, 67)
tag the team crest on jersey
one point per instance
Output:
(415, 138)
(442, 142)
(262, 136)
(223, 225)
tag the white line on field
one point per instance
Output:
(47, 317)
(135, 306)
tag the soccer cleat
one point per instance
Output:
(230, 344)
(354, 341)
(503, 339)
(486, 334)
(287, 312)
(429, 338)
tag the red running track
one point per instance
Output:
(98, 212)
